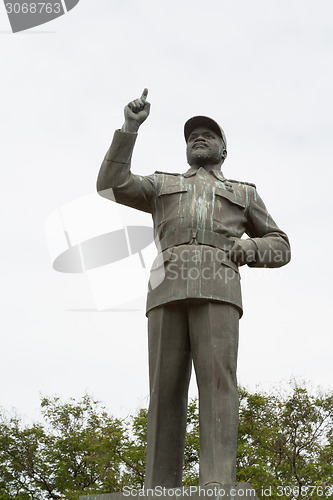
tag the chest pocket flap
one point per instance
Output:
(231, 196)
(172, 188)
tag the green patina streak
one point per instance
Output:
(180, 205)
(202, 206)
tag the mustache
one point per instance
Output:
(199, 143)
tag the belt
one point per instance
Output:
(198, 236)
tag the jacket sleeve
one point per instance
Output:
(272, 244)
(116, 181)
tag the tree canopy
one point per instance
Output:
(285, 448)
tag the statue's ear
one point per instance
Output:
(224, 154)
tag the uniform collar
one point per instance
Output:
(193, 171)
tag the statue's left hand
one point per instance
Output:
(243, 252)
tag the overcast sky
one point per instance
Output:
(263, 70)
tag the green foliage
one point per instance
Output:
(78, 451)
(134, 451)
(285, 443)
(191, 455)
(285, 448)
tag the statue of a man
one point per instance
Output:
(194, 309)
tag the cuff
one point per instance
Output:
(121, 148)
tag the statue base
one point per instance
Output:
(237, 491)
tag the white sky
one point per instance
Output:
(263, 69)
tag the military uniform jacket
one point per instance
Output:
(197, 218)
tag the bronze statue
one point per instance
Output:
(193, 311)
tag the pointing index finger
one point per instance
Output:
(144, 95)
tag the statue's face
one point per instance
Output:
(204, 147)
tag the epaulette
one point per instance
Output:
(243, 182)
(167, 173)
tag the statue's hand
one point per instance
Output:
(136, 112)
(243, 252)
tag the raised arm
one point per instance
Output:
(115, 180)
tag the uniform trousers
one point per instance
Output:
(206, 333)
